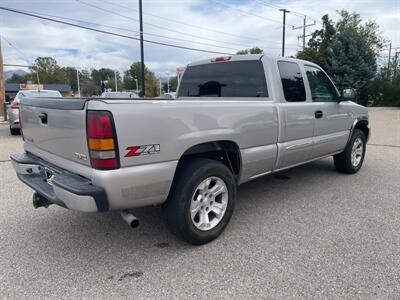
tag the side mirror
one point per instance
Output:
(348, 95)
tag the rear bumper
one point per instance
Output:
(13, 117)
(58, 186)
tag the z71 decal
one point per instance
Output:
(142, 150)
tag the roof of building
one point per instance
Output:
(62, 88)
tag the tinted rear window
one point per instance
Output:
(224, 79)
(292, 81)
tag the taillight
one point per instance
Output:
(102, 140)
(14, 105)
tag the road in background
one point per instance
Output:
(308, 232)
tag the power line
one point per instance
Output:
(124, 29)
(298, 14)
(188, 24)
(247, 12)
(16, 48)
(111, 33)
(153, 25)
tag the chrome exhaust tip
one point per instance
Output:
(129, 218)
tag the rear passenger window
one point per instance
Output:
(292, 81)
(225, 79)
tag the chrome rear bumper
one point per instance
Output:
(59, 186)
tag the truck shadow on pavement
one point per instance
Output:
(106, 237)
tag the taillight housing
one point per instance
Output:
(14, 105)
(222, 58)
(102, 140)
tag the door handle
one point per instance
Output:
(43, 117)
(318, 114)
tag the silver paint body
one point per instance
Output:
(272, 135)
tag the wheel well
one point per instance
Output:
(363, 126)
(226, 152)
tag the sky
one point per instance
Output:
(216, 25)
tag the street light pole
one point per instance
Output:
(142, 50)
(136, 85)
(160, 88)
(116, 82)
(79, 87)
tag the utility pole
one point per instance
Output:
(2, 85)
(283, 30)
(305, 25)
(395, 64)
(160, 88)
(388, 67)
(143, 93)
(77, 78)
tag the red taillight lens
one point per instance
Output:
(14, 104)
(102, 140)
(100, 125)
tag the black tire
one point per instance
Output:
(343, 162)
(177, 208)
(14, 131)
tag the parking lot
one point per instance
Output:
(307, 232)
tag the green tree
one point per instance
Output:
(254, 50)
(320, 41)
(351, 57)
(71, 78)
(15, 78)
(173, 84)
(151, 82)
(106, 74)
(49, 71)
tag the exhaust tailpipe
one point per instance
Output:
(130, 219)
(40, 201)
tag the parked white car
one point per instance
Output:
(13, 108)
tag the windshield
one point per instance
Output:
(39, 94)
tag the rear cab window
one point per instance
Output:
(232, 79)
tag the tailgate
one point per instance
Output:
(57, 126)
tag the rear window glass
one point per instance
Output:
(224, 79)
(292, 81)
(39, 94)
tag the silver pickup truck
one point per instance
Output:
(235, 119)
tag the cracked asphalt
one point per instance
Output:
(308, 232)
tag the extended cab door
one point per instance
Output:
(332, 118)
(296, 116)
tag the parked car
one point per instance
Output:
(119, 95)
(170, 95)
(13, 108)
(235, 119)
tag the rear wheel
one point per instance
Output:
(201, 201)
(14, 131)
(352, 158)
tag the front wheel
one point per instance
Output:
(201, 201)
(352, 158)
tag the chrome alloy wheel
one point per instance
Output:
(357, 152)
(208, 204)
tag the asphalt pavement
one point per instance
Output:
(308, 232)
